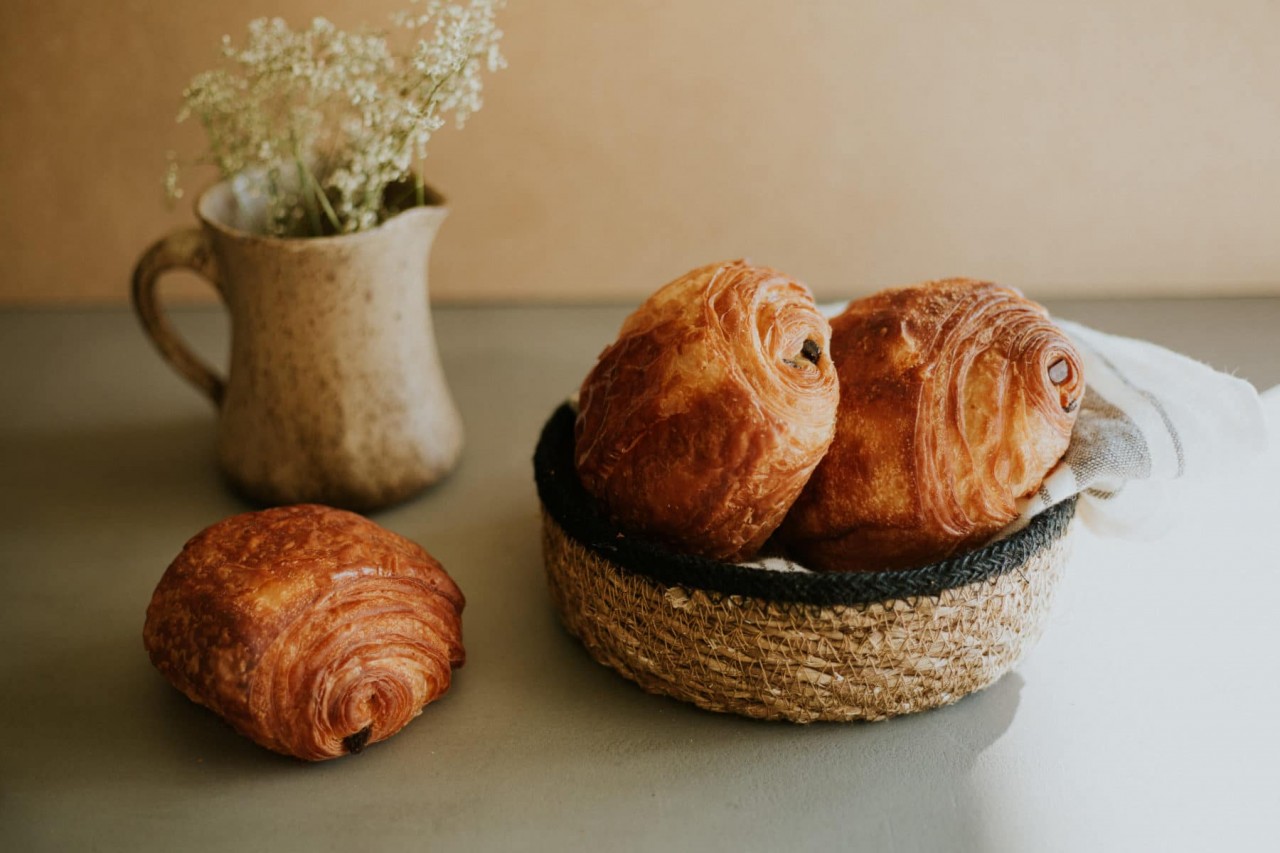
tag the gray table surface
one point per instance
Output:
(1145, 718)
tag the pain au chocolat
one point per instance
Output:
(699, 426)
(957, 397)
(312, 631)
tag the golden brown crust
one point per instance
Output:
(701, 423)
(947, 415)
(311, 630)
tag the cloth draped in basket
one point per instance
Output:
(1150, 417)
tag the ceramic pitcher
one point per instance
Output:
(335, 392)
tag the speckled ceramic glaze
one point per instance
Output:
(335, 392)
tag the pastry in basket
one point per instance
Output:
(701, 423)
(312, 631)
(957, 397)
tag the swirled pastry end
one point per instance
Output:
(701, 423)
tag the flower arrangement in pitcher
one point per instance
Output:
(325, 125)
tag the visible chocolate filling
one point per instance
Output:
(811, 351)
(356, 743)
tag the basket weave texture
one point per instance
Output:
(814, 647)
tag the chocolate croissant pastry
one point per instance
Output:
(957, 397)
(312, 631)
(701, 423)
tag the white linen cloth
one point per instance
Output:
(1150, 417)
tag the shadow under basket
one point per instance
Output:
(795, 646)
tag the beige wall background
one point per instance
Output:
(1095, 147)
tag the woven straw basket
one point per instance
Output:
(790, 645)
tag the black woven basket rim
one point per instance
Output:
(577, 513)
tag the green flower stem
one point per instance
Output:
(419, 186)
(313, 213)
(329, 212)
(314, 198)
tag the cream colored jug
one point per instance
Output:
(335, 392)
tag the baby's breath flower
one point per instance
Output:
(322, 121)
(171, 188)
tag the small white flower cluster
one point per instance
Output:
(327, 124)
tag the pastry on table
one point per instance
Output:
(699, 426)
(312, 631)
(957, 398)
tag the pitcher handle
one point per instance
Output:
(188, 248)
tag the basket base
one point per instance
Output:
(800, 662)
